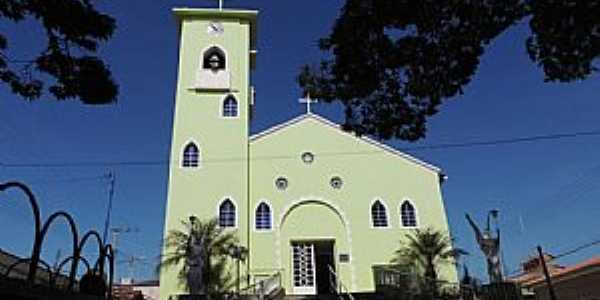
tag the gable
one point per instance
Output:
(314, 127)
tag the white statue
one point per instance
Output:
(195, 260)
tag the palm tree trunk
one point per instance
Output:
(431, 276)
(207, 275)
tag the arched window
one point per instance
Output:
(230, 107)
(227, 216)
(191, 156)
(263, 217)
(408, 215)
(379, 215)
(214, 59)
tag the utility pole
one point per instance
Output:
(546, 274)
(57, 258)
(111, 192)
(131, 261)
(115, 234)
(117, 231)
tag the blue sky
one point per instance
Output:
(546, 191)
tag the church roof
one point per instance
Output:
(329, 123)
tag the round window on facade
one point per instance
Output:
(308, 157)
(336, 182)
(281, 183)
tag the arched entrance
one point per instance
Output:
(313, 234)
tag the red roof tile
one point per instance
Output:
(595, 261)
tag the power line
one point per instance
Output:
(582, 185)
(67, 180)
(145, 163)
(577, 249)
(517, 140)
(563, 254)
(84, 164)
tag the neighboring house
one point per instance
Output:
(532, 270)
(6, 260)
(302, 196)
(576, 282)
(20, 271)
(127, 289)
(14, 285)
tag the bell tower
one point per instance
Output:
(208, 170)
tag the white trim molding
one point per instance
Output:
(322, 120)
(341, 215)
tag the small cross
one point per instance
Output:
(308, 101)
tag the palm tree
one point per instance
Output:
(424, 250)
(202, 250)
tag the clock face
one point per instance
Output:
(215, 28)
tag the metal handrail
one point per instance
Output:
(336, 285)
(269, 285)
(264, 287)
(251, 289)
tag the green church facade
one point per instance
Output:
(305, 197)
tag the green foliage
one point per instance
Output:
(423, 251)
(74, 29)
(393, 63)
(216, 278)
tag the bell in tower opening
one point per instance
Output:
(213, 74)
(214, 59)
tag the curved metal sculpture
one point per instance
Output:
(490, 246)
(37, 247)
(75, 240)
(105, 251)
(60, 266)
(99, 265)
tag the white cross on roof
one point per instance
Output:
(308, 101)
(220, 4)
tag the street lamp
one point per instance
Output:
(493, 213)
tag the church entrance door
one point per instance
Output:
(312, 263)
(303, 261)
(325, 267)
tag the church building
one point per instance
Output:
(307, 199)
